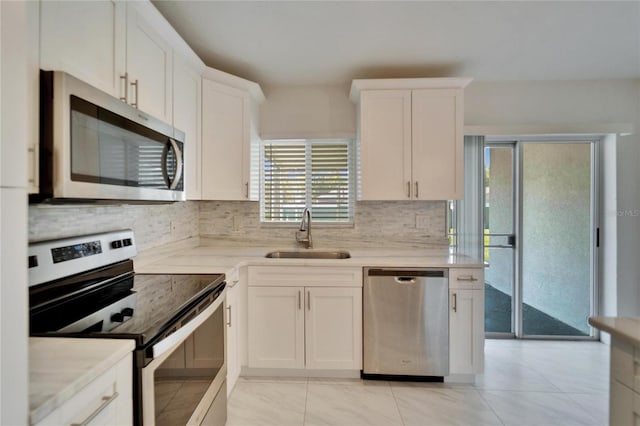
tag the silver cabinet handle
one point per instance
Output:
(106, 400)
(467, 278)
(408, 189)
(125, 78)
(299, 299)
(455, 302)
(135, 85)
(417, 196)
(246, 189)
(309, 300)
(229, 313)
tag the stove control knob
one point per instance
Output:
(127, 312)
(117, 317)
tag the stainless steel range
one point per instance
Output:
(85, 287)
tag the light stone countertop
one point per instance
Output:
(626, 328)
(60, 367)
(200, 256)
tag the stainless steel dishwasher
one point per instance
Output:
(406, 323)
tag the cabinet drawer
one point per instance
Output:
(305, 276)
(466, 278)
(105, 401)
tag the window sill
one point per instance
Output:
(314, 225)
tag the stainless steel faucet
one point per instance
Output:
(303, 235)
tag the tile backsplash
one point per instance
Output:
(379, 223)
(153, 224)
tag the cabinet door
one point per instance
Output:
(186, 117)
(86, 39)
(225, 142)
(385, 144)
(233, 364)
(276, 327)
(437, 135)
(149, 67)
(466, 331)
(333, 328)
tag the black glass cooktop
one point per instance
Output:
(156, 302)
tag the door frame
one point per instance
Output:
(515, 305)
(517, 142)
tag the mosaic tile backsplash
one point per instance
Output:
(153, 225)
(377, 224)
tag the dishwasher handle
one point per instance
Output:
(405, 280)
(407, 273)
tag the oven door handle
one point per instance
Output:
(183, 332)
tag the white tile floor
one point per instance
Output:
(525, 383)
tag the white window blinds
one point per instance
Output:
(314, 174)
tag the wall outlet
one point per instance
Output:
(422, 221)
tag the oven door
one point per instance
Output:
(185, 384)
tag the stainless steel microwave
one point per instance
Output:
(96, 147)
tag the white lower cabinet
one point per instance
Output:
(105, 401)
(333, 328)
(624, 388)
(305, 327)
(236, 325)
(466, 321)
(276, 327)
(313, 326)
(233, 337)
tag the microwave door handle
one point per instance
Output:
(178, 154)
(165, 173)
(172, 184)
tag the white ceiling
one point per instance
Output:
(318, 42)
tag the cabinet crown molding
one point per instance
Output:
(405, 84)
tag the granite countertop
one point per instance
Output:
(199, 256)
(60, 367)
(626, 328)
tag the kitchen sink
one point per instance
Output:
(299, 254)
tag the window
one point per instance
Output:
(314, 174)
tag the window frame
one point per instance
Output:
(308, 142)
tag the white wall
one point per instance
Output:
(307, 112)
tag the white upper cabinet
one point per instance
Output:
(110, 45)
(187, 118)
(437, 129)
(410, 138)
(149, 67)
(225, 142)
(86, 39)
(385, 144)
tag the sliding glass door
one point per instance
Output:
(557, 238)
(540, 225)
